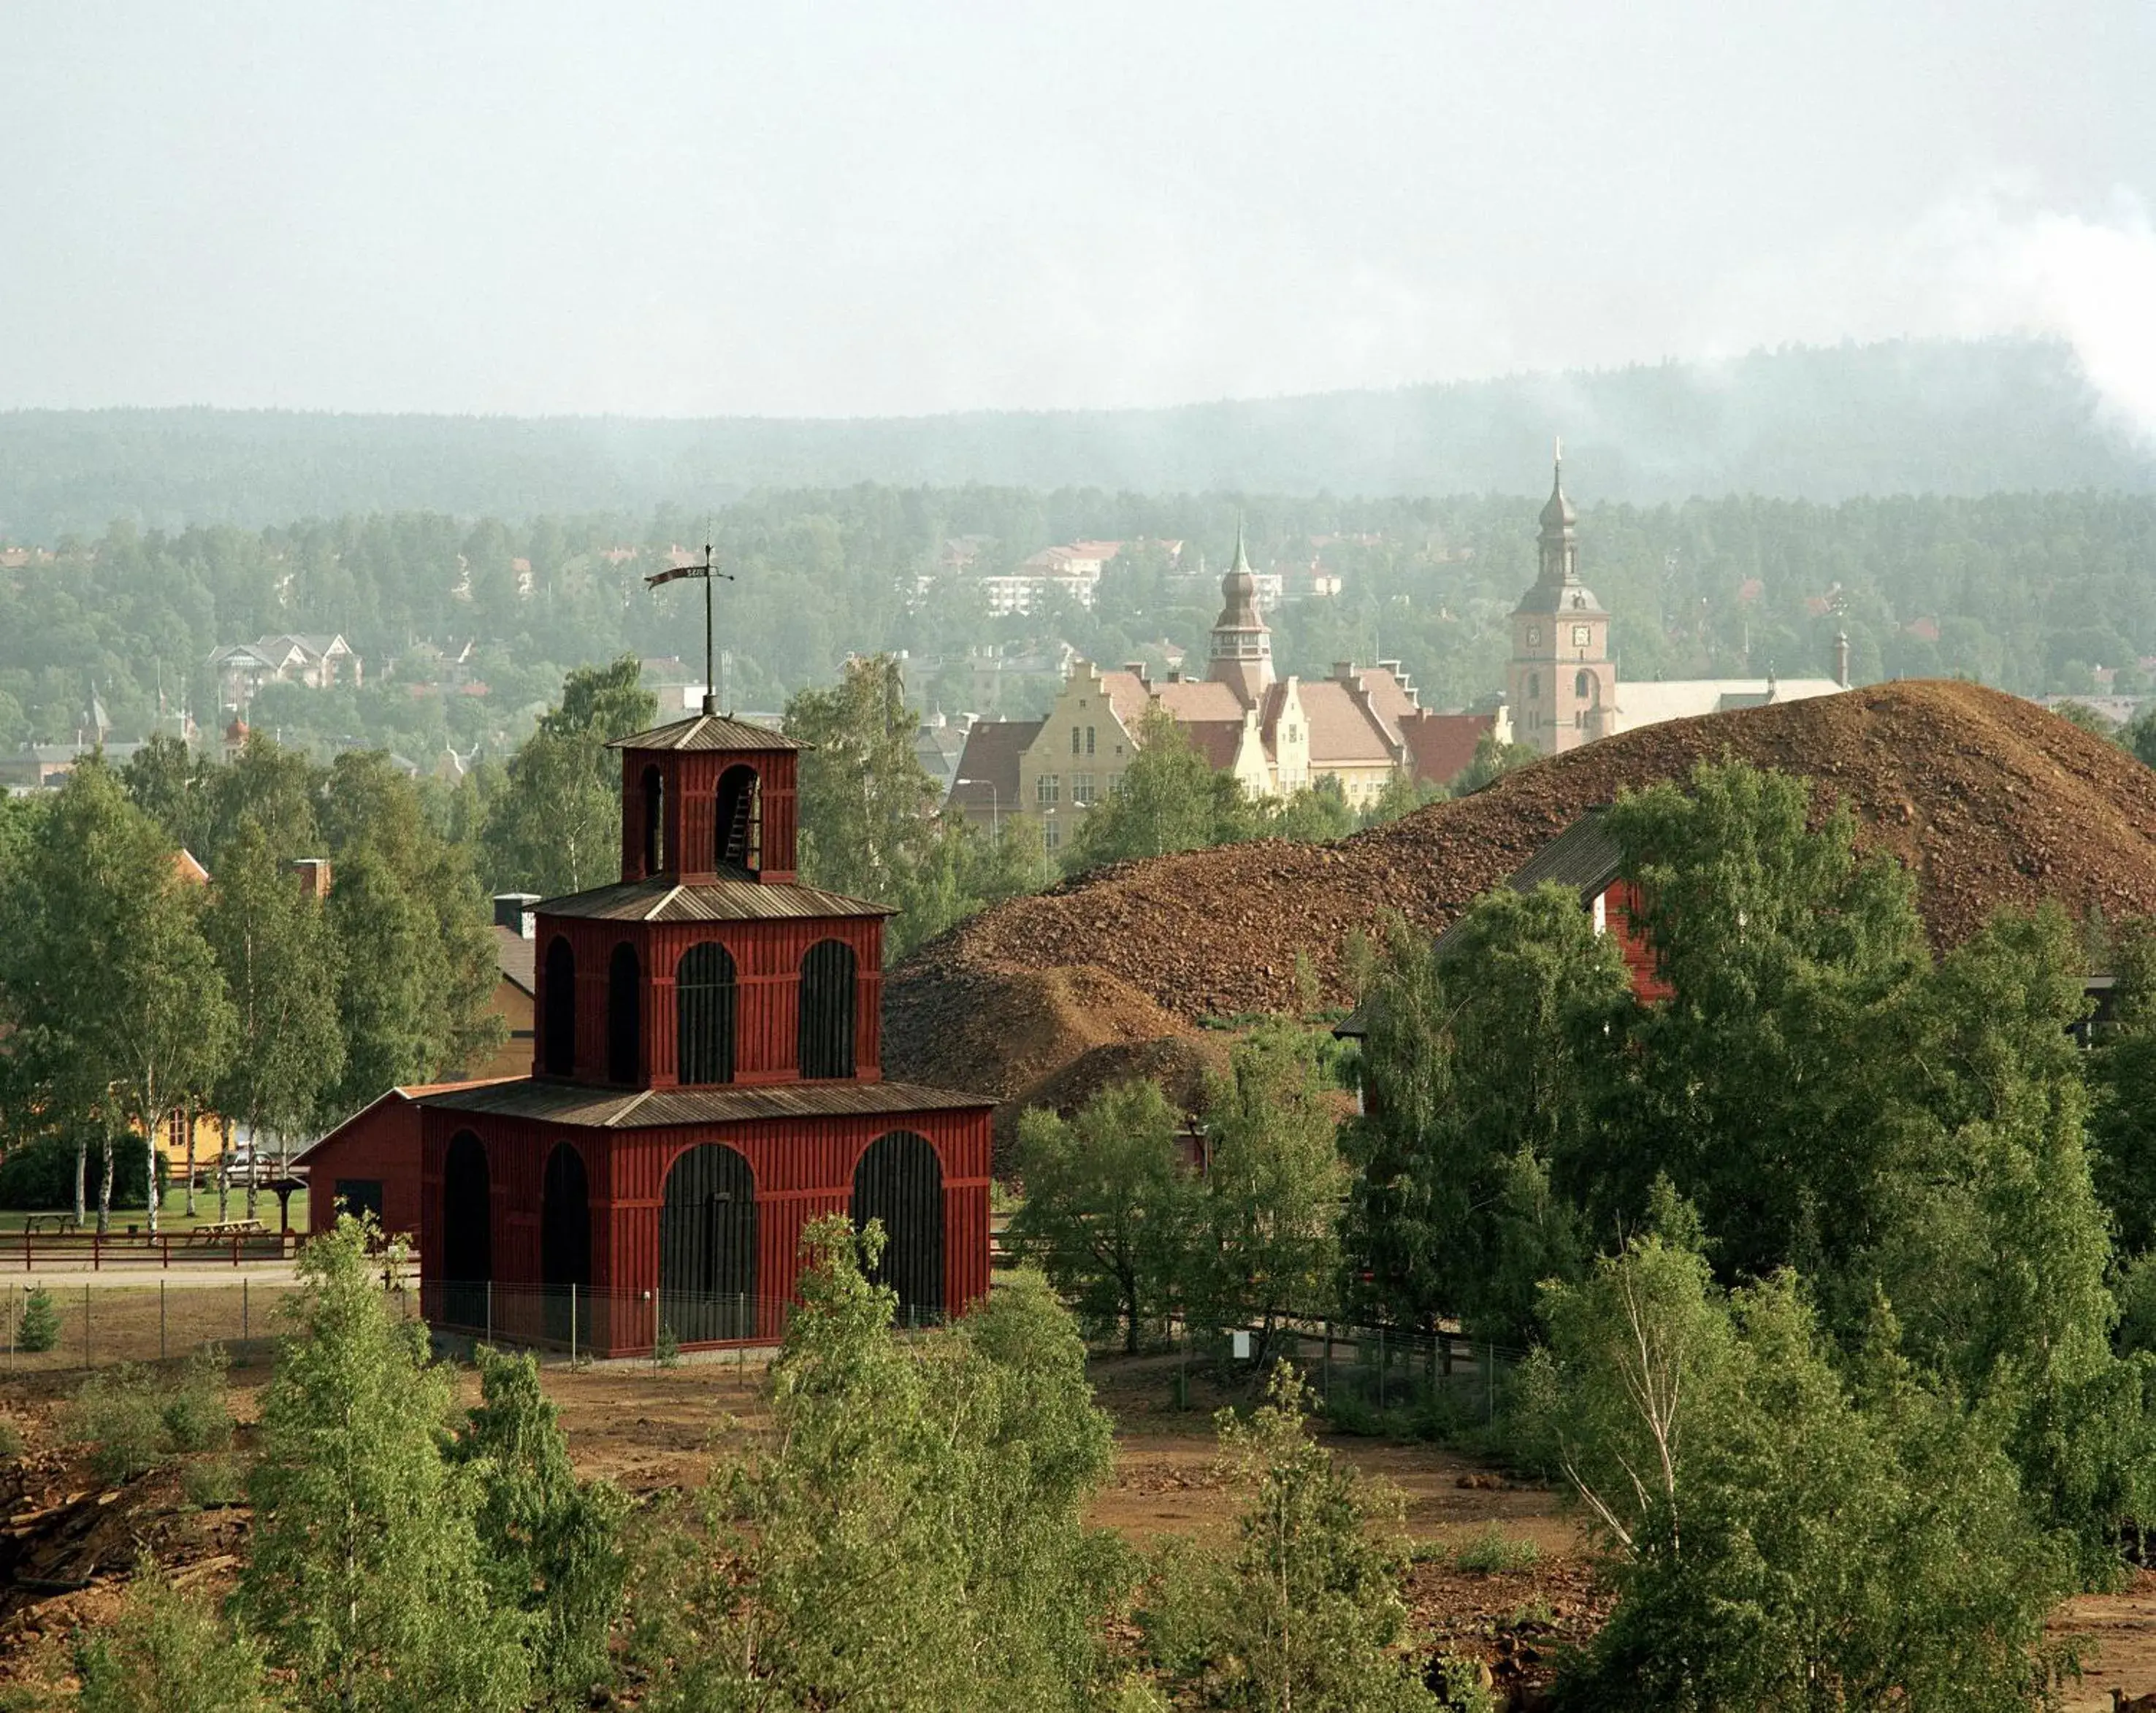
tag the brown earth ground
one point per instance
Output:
(1989, 800)
(68, 1543)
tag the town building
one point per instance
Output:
(1561, 686)
(318, 662)
(705, 1081)
(1361, 727)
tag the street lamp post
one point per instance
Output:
(995, 809)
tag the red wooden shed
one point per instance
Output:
(371, 1162)
(705, 1082)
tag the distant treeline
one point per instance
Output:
(1912, 416)
(2028, 592)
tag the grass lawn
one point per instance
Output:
(170, 1216)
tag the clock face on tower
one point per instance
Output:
(1583, 636)
(1534, 636)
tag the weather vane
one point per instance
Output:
(706, 570)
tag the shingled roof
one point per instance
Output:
(709, 731)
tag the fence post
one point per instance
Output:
(96, 1250)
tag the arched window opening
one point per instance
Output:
(467, 1232)
(826, 1041)
(708, 1248)
(624, 1016)
(739, 823)
(900, 1182)
(704, 1015)
(655, 822)
(1584, 686)
(557, 1029)
(1534, 686)
(565, 1244)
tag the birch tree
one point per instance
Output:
(126, 1011)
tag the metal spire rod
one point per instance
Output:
(706, 570)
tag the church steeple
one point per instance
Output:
(1242, 652)
(1560, 536)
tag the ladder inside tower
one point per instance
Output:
(739, 845)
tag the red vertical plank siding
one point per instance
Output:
(801, 1167)
(1620, 906)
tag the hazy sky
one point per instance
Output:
(917, 206)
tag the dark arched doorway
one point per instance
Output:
(467, 1232)
(736, 827)
(655, 822)
(624, 1015)
(565, 1244)
(900, 1181)
(708, 1248)
(557, 1030)
(704, 1015)
(826, 1037)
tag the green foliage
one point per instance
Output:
(1479, 1072)
(366, 1576)
(1307, 1611)
(908, 1535)
(281, 966)
(866, 821)
(1402, 796)
(1492, 1551)
(212, 1483)
(170, 1651)
(39, 1327)
(1829, 1097)
(665, 1347)
(118, 1413)
(555, 826)
(553, 1543)
(1269, 1221)
(115, 995)
(39, 1174)
(1110, 1211)
(11, 1439)
(1778, 1532)
(2123, 1090)
(1492, 760)
(196, 1417)
(1168, 799)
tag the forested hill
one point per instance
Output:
(1934, 417)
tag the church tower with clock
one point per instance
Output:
(1560, 685)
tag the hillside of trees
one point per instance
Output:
(2028, 592)
(1909, 417)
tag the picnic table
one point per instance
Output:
(224, 1230)
(59, 1222)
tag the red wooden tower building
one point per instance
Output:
(705, 1082)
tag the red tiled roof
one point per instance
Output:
(1216, 740)
(1440, 745)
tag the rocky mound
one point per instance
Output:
(1989, 799)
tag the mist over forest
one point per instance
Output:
(1941, 416)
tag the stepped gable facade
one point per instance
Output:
(705, 1081)
(1361, 727)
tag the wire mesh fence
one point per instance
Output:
(1453, 1380)
(573, 1322)
(61, 1324)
